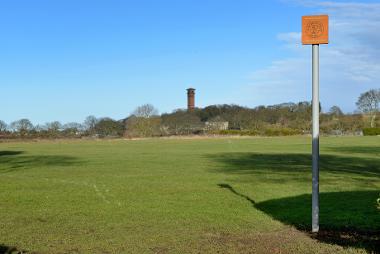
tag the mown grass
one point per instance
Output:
(246, 195)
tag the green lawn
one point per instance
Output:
(246, 195)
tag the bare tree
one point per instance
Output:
(53, 126)
(335, 111)
(73, 126)
(144, 122)
(72, 129)
(90, 124)
(22, 126)
(3, 126)
(368, 103)
(145, 111)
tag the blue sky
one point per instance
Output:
(66, 59)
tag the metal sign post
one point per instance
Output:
(315, 32)
(315, 142)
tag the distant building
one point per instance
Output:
(216, 126)
(190, 99)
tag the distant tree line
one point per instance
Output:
(91, 127)
(145, 121)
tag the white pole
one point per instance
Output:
(315, 143)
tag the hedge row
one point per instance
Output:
(371, 131)
(237, 132)
(264, 132)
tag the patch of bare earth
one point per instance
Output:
(289, 240)
(159, 250)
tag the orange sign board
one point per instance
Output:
(315, 29)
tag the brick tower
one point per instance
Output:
(190, 99)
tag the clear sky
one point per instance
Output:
(66, 59)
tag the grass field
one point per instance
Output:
(230, 195)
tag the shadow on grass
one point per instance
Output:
(9, 153)
(11, 250)
(369, 150)
(346, 218)
(294, 164)
(16, 160)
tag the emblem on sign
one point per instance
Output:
(314, 29)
